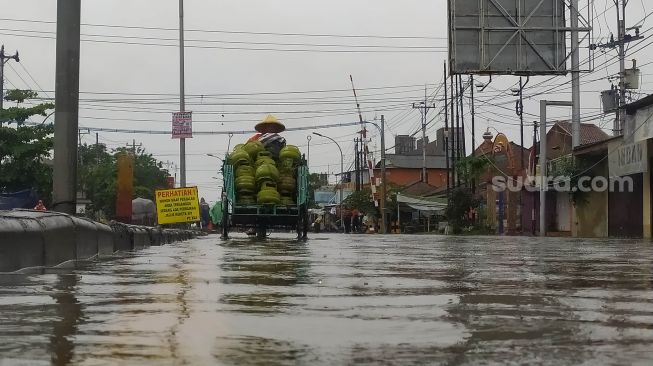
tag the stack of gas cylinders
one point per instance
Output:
(262, 178)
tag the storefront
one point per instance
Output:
(628, 163)
(632, 159)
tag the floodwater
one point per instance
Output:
(339, 300)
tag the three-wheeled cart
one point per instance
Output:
(260, 218)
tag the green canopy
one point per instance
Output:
(216, 213)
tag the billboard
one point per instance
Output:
(509, 37)
(182, 125)
(174, 206)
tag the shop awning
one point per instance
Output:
(423, 204)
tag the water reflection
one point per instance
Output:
(69, 314)
(341, 300)
(274, 267)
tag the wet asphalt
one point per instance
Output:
(339, 300)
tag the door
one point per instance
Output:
(563, 211)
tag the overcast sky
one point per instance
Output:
(225, 76)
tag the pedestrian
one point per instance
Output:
(347, 223)
(355, 221)
(205, 213)
(40, 206)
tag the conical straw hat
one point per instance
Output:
(270, 125)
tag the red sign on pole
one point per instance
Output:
(182, 125)
(171, 182)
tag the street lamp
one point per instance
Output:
(342, 158)
(215, 156)
(308, 155)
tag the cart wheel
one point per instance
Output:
(304, 226)
(225, 219)
(300, 224)
(261, 232)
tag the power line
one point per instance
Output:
(229, 48)
(231, 32)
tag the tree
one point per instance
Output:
(362, 200)
(471, 168)
(568, 170)
(461, 201)
(24, 150)
(98, 176)
(18, 114)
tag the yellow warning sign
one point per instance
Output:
(178, 205)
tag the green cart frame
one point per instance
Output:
(262, 218)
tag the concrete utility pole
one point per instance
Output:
(623, 38)
(446, 131)
(182, 93)
(67, 106)
(543, 168)
(473, 110)
(520, 113)
(575, 75)
(534, 167)
(357, 184)
(621, 26)
(463, 142)
(3, 60)
(454, 133)
(384, 186)
(424, 108)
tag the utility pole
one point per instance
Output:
(457, 142)
(424, 108)
(623, 38)
(463, 143)
(3, 60)
(384, 186)
(621, 26)
(454, 134)
(67, 107)
(474, 115)
(533, 221)
(446, 130)
(134, 146)
(575, 76)
(520, 112)
(357, 184)
(182, 93)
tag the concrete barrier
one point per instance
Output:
(104, 240)
(86, 238)
(121, 238)
(33, 238)
(21, 244)
(57, 232)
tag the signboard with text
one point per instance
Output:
(627, 158)
(182, 125)
(174, 206)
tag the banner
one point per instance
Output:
(174, 206)
(182, 125)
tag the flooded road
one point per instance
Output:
(339, 300)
